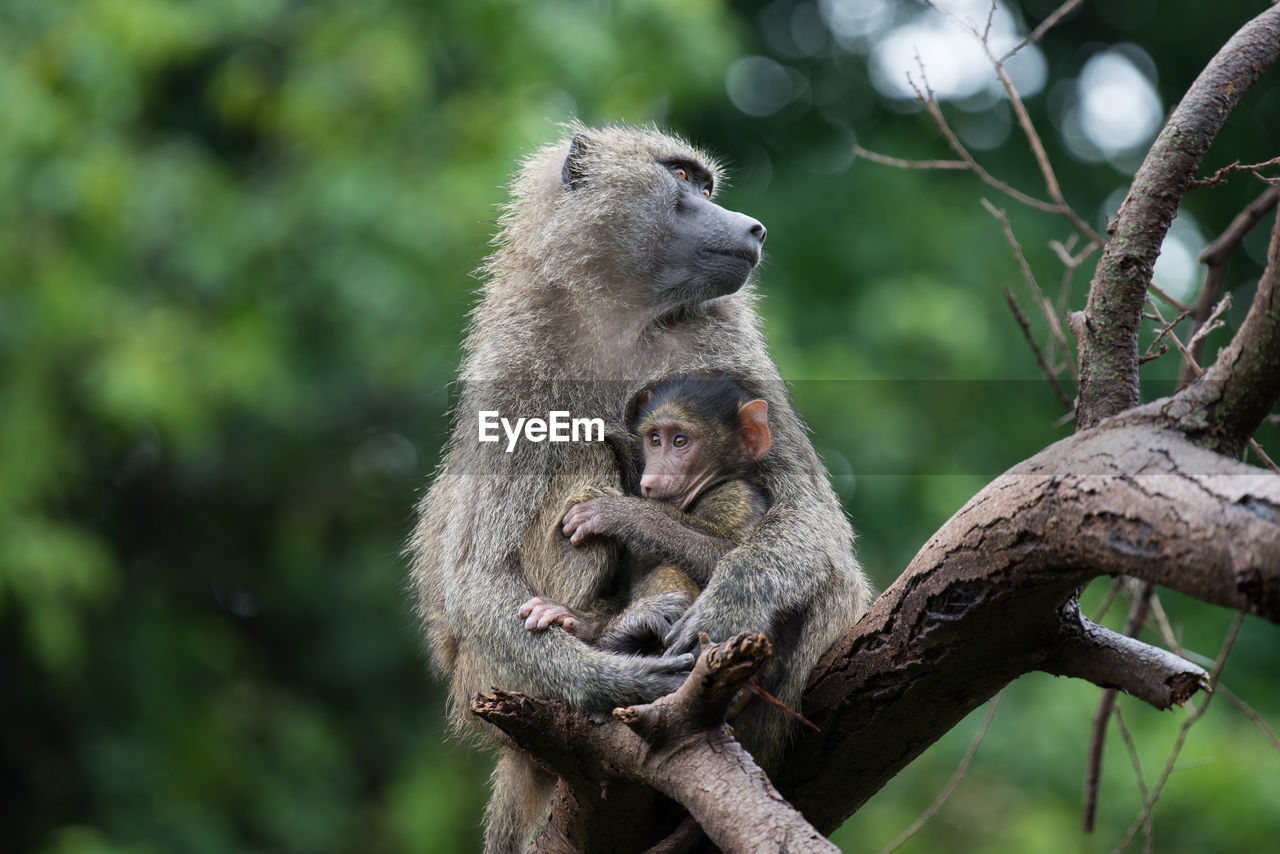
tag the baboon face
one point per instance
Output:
(696, 433)
(709, 251)
(662, 227)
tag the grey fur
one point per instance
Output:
(581, 309)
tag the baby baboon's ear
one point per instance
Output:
(573, 174)
(753, 429)
(635, 406)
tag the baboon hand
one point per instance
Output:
(540, 614)
(662, 674)
(589, 517)
(718, 622)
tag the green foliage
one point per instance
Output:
(236, 244)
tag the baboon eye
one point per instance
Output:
(655, 439)
(680, 172)
(680, 440)
(706, 192)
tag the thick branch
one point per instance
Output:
(1109, 348)
(1111, 660)
(1224, 407)
(981, 603)
(678, 745)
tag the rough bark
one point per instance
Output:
(679, 745)
(1109, 345)
(990, 597)
(1224, 407)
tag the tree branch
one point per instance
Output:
(1229, 401)
(1215, 257)
(982, 602)
(1116, 661)
(1109, 349)
(678, 745)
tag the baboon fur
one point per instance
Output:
(568, 320)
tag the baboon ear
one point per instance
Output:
(573, 174)
(636, 406)
(753, 429)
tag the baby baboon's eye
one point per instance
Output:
(680, 172)
(655, 439)
(680, 440)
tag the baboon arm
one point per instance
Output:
(500, 653)
(654, 528)
(786, 562)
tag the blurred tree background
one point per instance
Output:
(237, 252)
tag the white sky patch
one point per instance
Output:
(1119, 109)
(851, 20)
(1178, 271)
(954, 62)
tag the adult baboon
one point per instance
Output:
(613, 270)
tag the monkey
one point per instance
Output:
(699, 439)
(614, 267)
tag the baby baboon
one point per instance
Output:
(700, 439)
(613, 270)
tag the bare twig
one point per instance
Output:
(1250, 714)
(899, 163)
(1114, 590)
(1151, 357)
(1215, 257)
(1262, 456)
(1044, 27)
(925, 96)
(1217, 252)
(1171, 641)
(956, 777)
(1166, 329)
(1069, 263)
(1220, 176)
(1035, 350)
(1148, 831)
(1037, 149)
(1196, 713)
(1158, 291)
(1166, 628)
(1051, 316)
(1189, 359)
(1231, 398)
(991, 14)
(1059, 204)
(1106, 704)
(1212, 322)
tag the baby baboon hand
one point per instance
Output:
(589, 517)
(540, 614)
